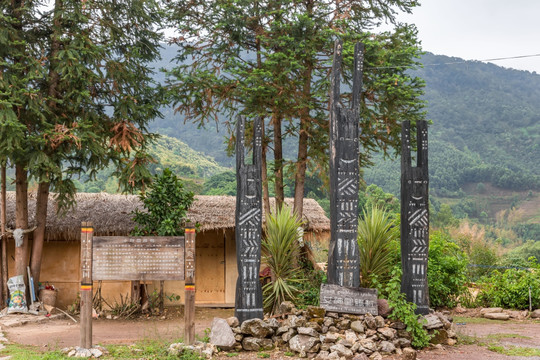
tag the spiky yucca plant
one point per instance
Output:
(280, 250)
(378, 236)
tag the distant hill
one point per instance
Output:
(486, 127)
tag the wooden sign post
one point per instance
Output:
(343, 256)
(189, 299)
(136, 259)
(415, 217)
(248, 225)
(87, 234)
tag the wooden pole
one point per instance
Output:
(189, 306)
(4, 240)
(87, 233)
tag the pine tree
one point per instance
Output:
(271, 59)
(76, 93)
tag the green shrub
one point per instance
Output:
(447, 271)
(378, 236)
(403, 310)
(280, 249)
(510, 288)
(166, 203)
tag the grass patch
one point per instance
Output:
(25, 352)
(506, 336)
(147, 349)
(464, 339)
(514, 350)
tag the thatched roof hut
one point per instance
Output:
(111, 214)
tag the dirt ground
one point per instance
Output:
(64, 332)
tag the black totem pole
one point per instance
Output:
(415, 217)
(343, 257)
(249, 302)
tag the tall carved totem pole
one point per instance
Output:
(249, 302)
(343, 256)
(415, 217)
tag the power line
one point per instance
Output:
(460, 62)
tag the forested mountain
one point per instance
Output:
(485, 127)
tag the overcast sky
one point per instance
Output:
(480, 29)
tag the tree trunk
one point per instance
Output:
(301, 163)
(278, 161)
(21, 218)
(264, 175)
(39, 232)
(4, 238)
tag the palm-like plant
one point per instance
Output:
(280, 250)
(378, 245)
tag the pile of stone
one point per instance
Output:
(316, 333)
(79, 352)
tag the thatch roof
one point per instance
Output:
(111, 214)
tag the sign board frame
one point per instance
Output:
(346, 300)
(186, 255)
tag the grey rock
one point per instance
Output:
(535, 314)
(386, 347)
(344, 343)
(322, 355)
(295, 321)
(334, 356)
(357, 326)
(307, 331)
(256, 327)
(432, 321)
(315, 349)
(282, 330)
(273, 323)
(256, 344)
(238, 337)
(490, 310)
(328, 321)
(404, 334)
(497, 316)
(380, 321)
(221, 334)
(351, 336)
(331, 337)
(233, 321)
(344, 324)
(288, 335)
(341, 350)
(302, 343)
(332, 315)
(388, 333)
(368, 344)
(408, 353)
(398, 325)
(375, 356)
(360, 357)
(402, 342)
(314, 326)
(370, 321)
(286, 307)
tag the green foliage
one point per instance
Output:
(280, 249)
(523, 252)
(310, 287)
(403, 310)
(444, 217)
(374, 196)
(378, 237)
(447, 271)
(220, 184)
(166, 204)
(510, 288)
(274, 65)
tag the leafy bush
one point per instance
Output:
(447, 271)
(310, 288)
(403, 310)
(510, 288)
(378, 245)
(280, 252)
(166, 203)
